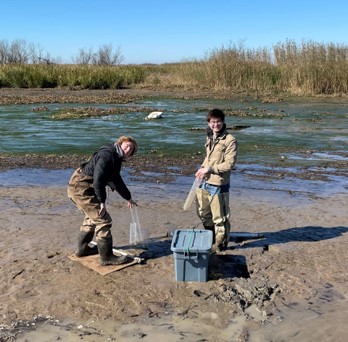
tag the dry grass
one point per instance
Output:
(290, 68)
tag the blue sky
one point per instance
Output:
(161, 31)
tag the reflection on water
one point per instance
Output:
(243, 182)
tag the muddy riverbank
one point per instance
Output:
(289, 285)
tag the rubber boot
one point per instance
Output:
(83, 249)
(107, 257)
(220, 244)
(223, 237)
(211, 228)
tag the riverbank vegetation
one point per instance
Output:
(289, 68)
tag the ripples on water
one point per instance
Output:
(307, 133)
(304, 125)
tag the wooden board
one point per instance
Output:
(92, 262)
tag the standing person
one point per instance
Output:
(213, 192)
(87, 189)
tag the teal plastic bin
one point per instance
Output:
(191, 248)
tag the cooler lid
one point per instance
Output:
(192, 240)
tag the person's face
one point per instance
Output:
(127, 148)
(215, 124)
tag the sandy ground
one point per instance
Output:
(291, 285)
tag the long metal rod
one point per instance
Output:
(246, 235)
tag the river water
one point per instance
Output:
(284, 137)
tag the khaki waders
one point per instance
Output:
(81, 192)
(214, 211)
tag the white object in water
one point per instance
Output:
(192, 194)
(155, 115)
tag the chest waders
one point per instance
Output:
(214, 211)
(81, 192)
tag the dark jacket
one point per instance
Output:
(105, 167)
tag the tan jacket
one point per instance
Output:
(220, 158)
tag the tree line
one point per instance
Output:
(20, 51)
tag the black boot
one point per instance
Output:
(212, 229)
(107, 257)
(83, 249)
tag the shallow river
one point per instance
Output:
(285, 136)
(319, 125)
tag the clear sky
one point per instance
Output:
(161, 31)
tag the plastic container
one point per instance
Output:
(191, 249)
(192, 194)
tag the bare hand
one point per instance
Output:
(202, 172)
(131, 203)
(102, 210)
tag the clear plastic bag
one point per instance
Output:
(192, 194)
(136, 234)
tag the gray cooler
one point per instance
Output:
(191, 249)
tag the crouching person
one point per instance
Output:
(87, 190)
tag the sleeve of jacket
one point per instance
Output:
(230, 156)
(121, 188)
(100, 177)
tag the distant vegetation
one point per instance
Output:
(71, 76)
(289, 68)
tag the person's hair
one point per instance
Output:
(123, 139)
(216, 113)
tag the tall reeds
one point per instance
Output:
(305, 68)
(313, 68)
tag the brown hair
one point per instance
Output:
(216, 113)
(123, 138)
